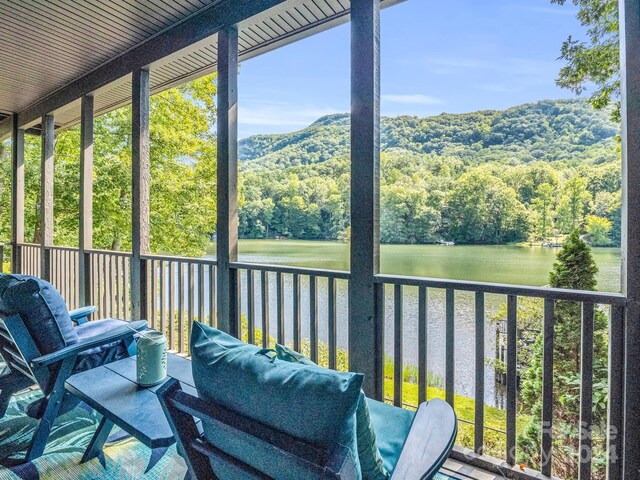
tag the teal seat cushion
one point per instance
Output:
(315, 405)
(42, 310)
(392, 425)
(371, 462)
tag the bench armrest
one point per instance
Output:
(114, 335)
(81, 315)
(429, 442)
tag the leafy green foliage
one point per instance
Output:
(598, 229)
(596, 61)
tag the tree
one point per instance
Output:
(482, 209)
(573, 204)
(598, 230)
(596, 61)
(543, 204)
(574, 269)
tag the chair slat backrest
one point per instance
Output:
(181, 408)
(18, 349)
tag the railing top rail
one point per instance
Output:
(503, 289)
(170, 258)
(115, 253)
(61, 249)
(316, 272)
(25, 244)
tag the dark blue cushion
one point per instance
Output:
(43, 312)
(103, 354)
(7, 280)
(392, 425)
(313, 404)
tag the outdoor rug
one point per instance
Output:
(123, 458)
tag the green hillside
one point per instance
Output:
(532, 172)
(567, 130)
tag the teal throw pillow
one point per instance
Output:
(313, 404)
(370, 460)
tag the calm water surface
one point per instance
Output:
(499, 264)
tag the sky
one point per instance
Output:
(437, 56)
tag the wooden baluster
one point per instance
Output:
(279, 309)
(586, 391)
(172, 313)
(181, 346)
(297, 334)
(264, 284)
(313, 317)
(512, 376)
(422, 344)
(397, 345)
(332, 323)
(478, 443)
(251, 308)
(547, 386)
(450, 346)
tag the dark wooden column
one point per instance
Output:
(227, 224)
(17, 194)
(85, 241)
(365, 299)
(140, 179)
(630, 89)
(46, 195)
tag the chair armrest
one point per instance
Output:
(81, 315)
(429, 442)
(114, 335)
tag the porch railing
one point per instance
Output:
(308, 309)
(30, 256)
(287, 304)
(179, 291)
(109, 282)
(613, 303)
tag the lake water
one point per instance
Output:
(499, 264)
(518, 265)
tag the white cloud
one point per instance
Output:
(412, 99)
(256, 117)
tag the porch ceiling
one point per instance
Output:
(48, 45)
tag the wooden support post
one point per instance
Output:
(46, 195)
(85, 241)
(17, 195)
(630, 96)
(227, 225)
(365, 321)
(140, 179)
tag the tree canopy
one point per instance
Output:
(183, 172)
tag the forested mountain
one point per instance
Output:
(568, 130)
(531, 172)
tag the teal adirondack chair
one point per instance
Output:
(42, 343)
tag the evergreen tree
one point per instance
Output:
(574, 269)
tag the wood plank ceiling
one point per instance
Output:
(46, 44)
